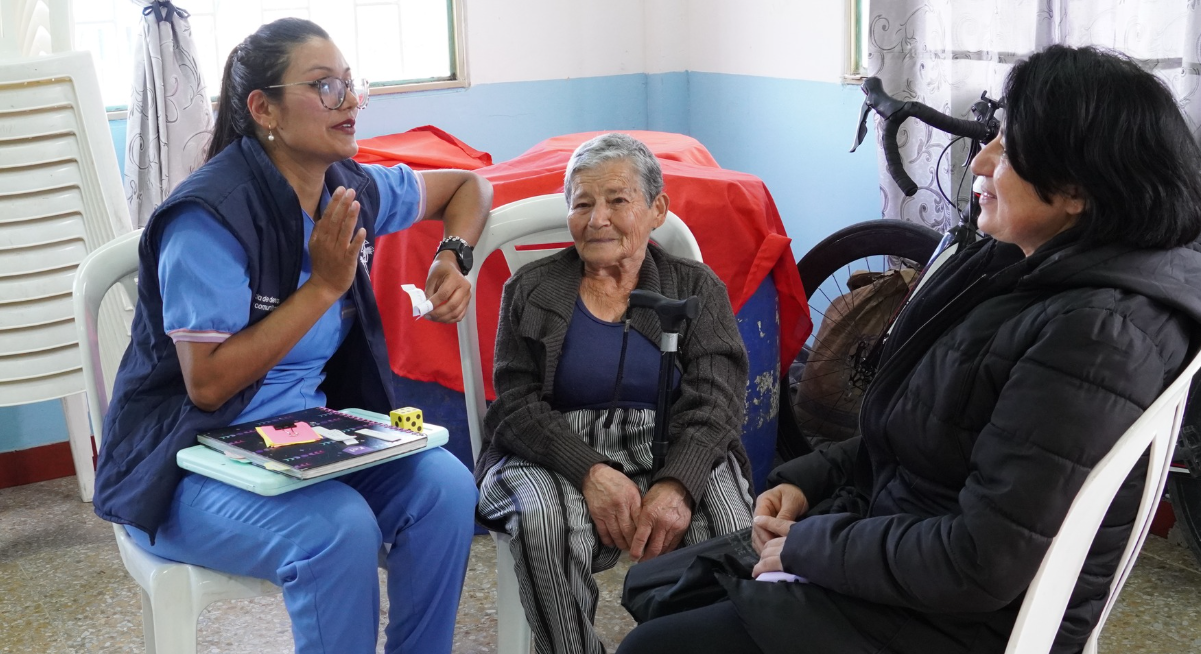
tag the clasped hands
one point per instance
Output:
(776, 510)
(335, 246)
(645, 526)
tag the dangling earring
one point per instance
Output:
(270, 135)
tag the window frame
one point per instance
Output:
(458, 78)
(855, 60)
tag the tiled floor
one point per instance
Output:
(63, 590)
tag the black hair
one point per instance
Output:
(256, 63)
(1092, 121)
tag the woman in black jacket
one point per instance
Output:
(1006, 379)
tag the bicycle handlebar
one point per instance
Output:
(894, 112)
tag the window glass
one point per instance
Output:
(389, 42)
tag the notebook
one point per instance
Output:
(240, 474)
(347, 441)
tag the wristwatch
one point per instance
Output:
(460, 248)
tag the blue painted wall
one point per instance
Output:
(793, 134)
(31, 425)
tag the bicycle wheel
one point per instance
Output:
(1184, 492)
(834, 367)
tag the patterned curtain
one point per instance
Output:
(946, 52)
(170, 114)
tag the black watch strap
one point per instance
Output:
(461, 249)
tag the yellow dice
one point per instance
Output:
(407, 418)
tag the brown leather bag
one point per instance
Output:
(827, 398)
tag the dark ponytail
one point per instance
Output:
(256, 63)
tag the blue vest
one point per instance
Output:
(150, 417)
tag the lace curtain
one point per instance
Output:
(946, 52)
(170, 114)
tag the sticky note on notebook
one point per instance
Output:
(280, 435)
(334, 435)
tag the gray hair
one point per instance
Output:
(611, 147)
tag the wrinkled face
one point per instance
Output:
(304, 129)
(1011, 210)
(608, 218)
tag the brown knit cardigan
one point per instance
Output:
(536, 308)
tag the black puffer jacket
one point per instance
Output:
(1005, 382)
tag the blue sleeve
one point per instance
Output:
(401, 197)
(203, 278)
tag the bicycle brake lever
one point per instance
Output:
(861, 133)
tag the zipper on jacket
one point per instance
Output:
(903, 348)
(890, 369)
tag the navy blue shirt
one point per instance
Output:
(587, 369)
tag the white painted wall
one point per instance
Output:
(667, 26)
(788, 39)
(527, 40)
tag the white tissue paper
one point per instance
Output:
(421, 305)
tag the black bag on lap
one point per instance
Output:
(687, 578)
(700, 574)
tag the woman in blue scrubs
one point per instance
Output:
(255, 300)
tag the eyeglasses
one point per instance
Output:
(332, 90)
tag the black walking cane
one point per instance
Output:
(672, 314)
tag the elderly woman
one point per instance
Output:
(567, 467)
(1006, 380)
(254, 300)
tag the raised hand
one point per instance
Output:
(335, 244)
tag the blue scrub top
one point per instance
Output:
(206, 290)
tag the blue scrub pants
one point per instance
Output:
(321, 544)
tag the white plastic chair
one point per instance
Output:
(533, 221)
(29, 28)
(1047, 598)
(60, 198)
(173, 594)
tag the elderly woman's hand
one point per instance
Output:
(448, 290)
(613, 502)
(663, 521)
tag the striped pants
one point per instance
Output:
(555, 545)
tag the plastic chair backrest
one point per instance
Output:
(113, 264)
(60, 198)
(1156, 430)
(29, 28)
(540, 220)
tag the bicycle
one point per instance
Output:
(875, 245)
(878, 245)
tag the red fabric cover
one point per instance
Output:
(422, 148)
(732, 215)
